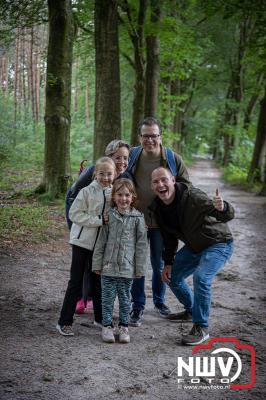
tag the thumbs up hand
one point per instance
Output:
(218, 201)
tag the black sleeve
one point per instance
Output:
(170, 247)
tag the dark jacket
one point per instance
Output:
(198, 223)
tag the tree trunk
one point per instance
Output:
(257, 167)
(58, 97)
(87, 104)
(235, 91)
(152, 67)
(107, 114)
(139, 62)
(252, 102)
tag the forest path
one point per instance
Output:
(38, 363)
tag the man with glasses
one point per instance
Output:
(143, 160)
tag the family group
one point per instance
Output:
(132, 199)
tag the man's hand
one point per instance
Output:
(166, 273)
(98, 272)
(218, 201)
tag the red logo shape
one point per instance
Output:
(238, 346)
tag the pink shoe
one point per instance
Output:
(89, 305)
(80, 307)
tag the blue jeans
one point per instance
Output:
(203, 266)
(158, 286)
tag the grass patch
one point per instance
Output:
(27, 221)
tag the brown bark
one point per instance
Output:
(253, 102)
(87, 104)
(58, 97)
(235, 91)
(257, 167)
(107, 115)
(137, 37)
(152, 66)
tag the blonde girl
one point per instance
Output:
(88, 213)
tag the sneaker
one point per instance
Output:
(89, 305)
(197, 335)
(98, 324)
(135, 317)
(123, 334)
(162, 309)
(184, 316)
(80, 307)
(65, 330)
(108, 334)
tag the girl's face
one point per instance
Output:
(123, 199)
(120, 158)
(105, 174)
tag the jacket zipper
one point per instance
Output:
(81, 229)
(98, 230)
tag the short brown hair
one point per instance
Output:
(124, 182)
(114, 145)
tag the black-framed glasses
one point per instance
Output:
(152, 137)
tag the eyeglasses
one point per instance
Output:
(152, 137)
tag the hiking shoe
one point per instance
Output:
(123, 334)
(197, 335)
(98, 324)
(184, 316)
(108, 334)
(135, 318)
(162, 309)
(80, 307)
(65, 330)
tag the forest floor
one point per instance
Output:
(37, 363)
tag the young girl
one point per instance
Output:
(88, 213)
(119, 256)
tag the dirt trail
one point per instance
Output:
(39, 364)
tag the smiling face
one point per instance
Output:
(105, 174)
(120, 158)
(123, 199)
(163, 185)
(150, 139)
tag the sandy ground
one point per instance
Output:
(38, 363)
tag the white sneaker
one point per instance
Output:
(108, 334)
(124, 335)
(65, 330)
(98, 324)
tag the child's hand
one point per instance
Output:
(218, 201)
(105, 219)
(98, 272)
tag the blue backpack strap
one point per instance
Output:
(133, 156)
(171, 161)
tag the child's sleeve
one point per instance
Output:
(79, 211)
(99, 249)
(141, 247)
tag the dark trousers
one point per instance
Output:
(81, 260)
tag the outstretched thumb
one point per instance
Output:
(217, 192)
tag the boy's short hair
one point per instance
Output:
(149, 121)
